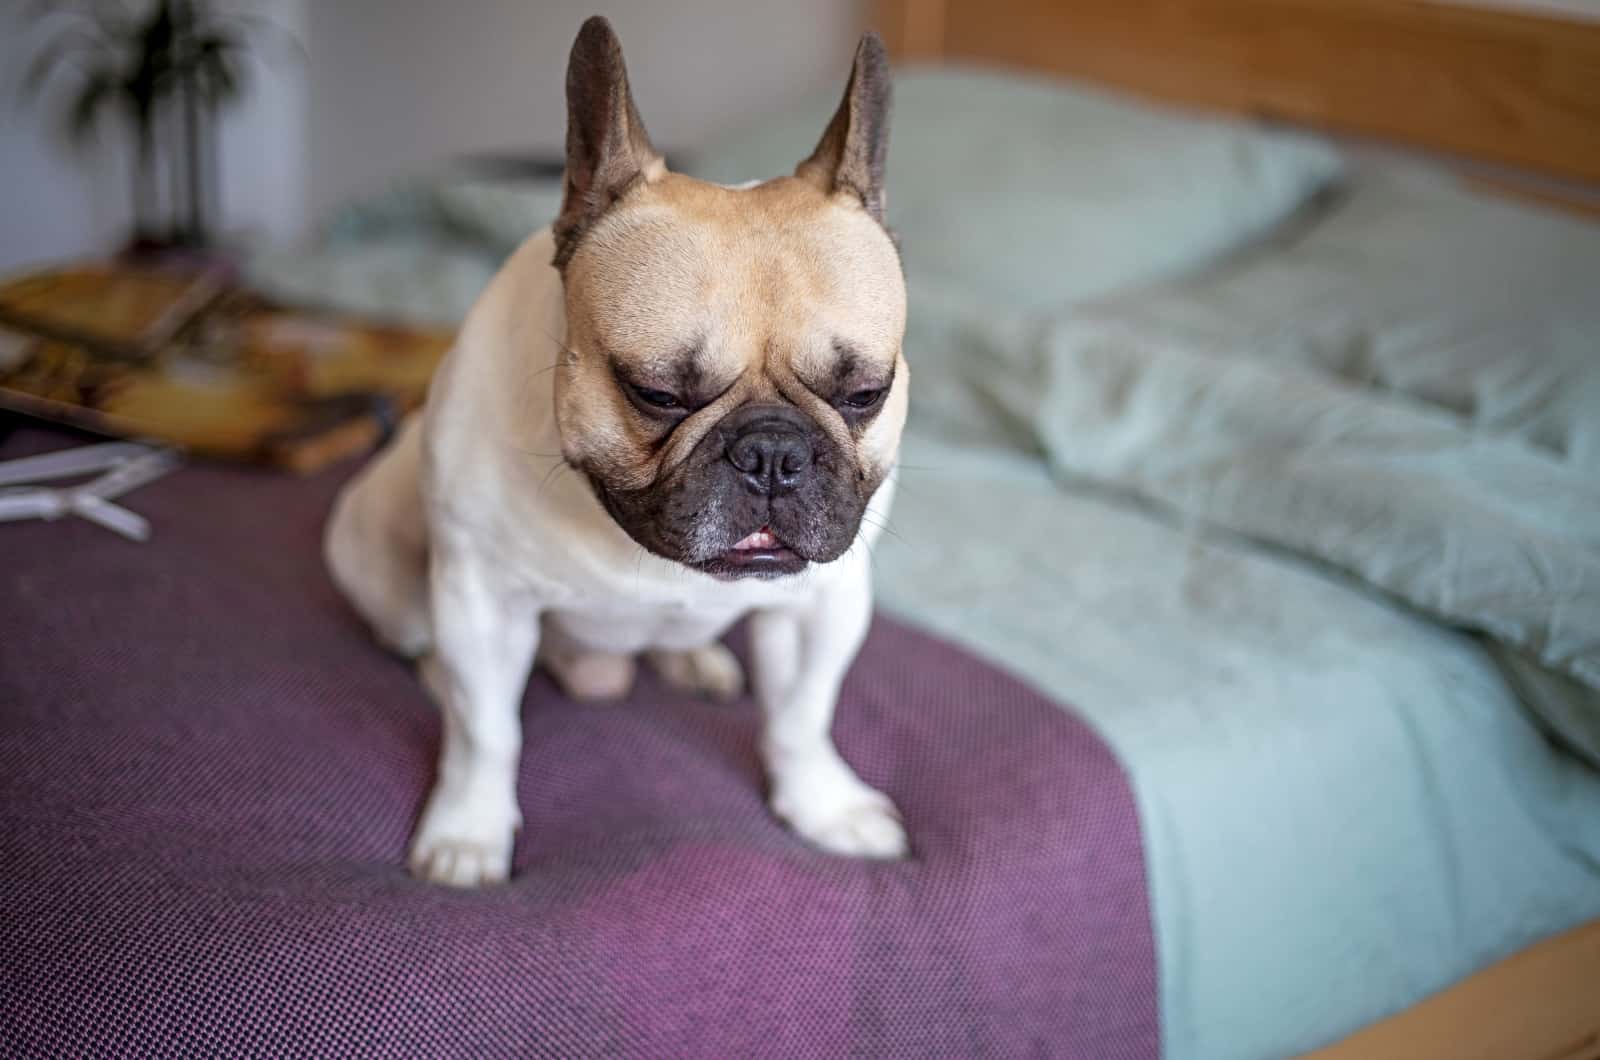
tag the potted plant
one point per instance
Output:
(146, 65)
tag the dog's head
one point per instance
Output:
(732, 383)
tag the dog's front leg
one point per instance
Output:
(484, 643)
(800, 660)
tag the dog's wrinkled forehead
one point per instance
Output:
(737, 278)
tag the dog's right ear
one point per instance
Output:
(608, 150)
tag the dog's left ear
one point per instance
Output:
(850, 156)
(608, 150)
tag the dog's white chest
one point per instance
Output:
(668, 627)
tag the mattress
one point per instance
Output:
(1347, 795)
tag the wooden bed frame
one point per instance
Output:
(1517, 93)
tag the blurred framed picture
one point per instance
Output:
(189, 359)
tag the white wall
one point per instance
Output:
(398, 84)
(263, 154)
(389, 87)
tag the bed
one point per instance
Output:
(1509, 100)
(1269, 458)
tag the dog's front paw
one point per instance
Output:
(826, 803)
(461, 844)
(864, 830)
(461, 862)
(712, 670)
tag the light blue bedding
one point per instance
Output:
(1345, 805)
(1175, 507)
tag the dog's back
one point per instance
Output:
(376, 544)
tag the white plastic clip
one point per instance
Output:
(127, 466)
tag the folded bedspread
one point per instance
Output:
(1409, 394)
(208, 774)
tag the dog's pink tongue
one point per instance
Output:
(762, 538)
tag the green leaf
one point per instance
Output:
(56, 53)
(96, 91)
(220, 80)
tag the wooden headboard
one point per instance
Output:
(1519, 90)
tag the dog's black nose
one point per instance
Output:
(772, 455)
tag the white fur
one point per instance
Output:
(466, 538)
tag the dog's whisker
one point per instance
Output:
(535, 452)
(921, 490)
(638, 566)
(885, 527)
(860, 539)
(569, 356)
(871, 555)
(550, 475)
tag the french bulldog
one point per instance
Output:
(677, 407)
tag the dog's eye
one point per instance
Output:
(865, 399)
(656, 398)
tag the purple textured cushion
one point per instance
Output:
(208, 774)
